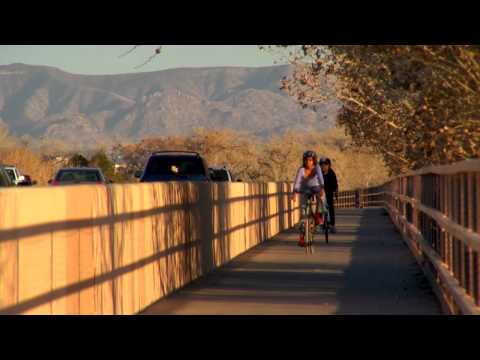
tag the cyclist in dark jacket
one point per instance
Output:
(331, 188)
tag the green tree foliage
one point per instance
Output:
(256, 160)
(102, 161)
(78, 160)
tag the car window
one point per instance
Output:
(79, 176)
(11, 174)
(175, 167)
(219, 175)
(4, 178)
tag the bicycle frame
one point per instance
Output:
(307, 220)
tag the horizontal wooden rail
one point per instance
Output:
(471, 165)
(461, 233)
(360, 199)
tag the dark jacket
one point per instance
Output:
(331, 184)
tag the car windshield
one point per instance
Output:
(78, 176)
(219, 175)
(11, 174)
(175, 168)
(4, 180)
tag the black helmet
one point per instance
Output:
(325, 160)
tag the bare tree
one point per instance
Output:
(157, 51)
(414, 104)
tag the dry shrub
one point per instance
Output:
(6, 140)
(28, 163)
(356, 167)
(277, 159)
(250, 159)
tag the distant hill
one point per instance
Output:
(39, 101)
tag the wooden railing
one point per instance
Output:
(436, 209)
(371, 197)
(348, 199)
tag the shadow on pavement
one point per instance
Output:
(382, 277)
(365, 269)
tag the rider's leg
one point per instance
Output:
(331, 210)
(318, 214)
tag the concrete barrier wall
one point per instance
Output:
(118, 249)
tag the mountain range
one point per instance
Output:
(43, 102)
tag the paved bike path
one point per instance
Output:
(365, 269)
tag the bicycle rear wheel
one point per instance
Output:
(326, 230)
(307, 235)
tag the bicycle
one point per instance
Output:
(326, 216)
(326, 220)
(307, 226)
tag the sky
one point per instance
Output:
(104, 59)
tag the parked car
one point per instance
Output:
(17, 178)
(5, 180)
(220, 174)
(174, 166)
(28, 181)
(75, 176)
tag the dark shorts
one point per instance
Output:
(311, 190)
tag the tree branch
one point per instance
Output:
(129, 51)
(368, 108)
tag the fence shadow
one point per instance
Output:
(187, 237)
(276, 277)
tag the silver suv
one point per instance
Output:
(16, 176)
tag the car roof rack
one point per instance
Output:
(175, 151)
